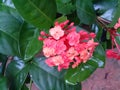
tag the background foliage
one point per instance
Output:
(20, 24)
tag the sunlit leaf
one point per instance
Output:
(40, 13)
(61, 19)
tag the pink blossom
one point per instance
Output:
(80, 46)
(49, 43)
(84, 35)
(63, 66)
(60, 47)
(71, 53)
(42, 33)
(91, 45)
(56, 32)
(113, 34)
(117, 25)
(49, 51)
(77, 62)
(84, 55)
(49, 62)
(92, 35)
(65, 47)
(110, 53)
(55, 61)
(40, 38)
(73, 38)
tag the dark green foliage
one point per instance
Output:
(20, 24)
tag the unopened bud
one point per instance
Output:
(40, 38)
(42, 33)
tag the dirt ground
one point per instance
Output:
(107, 78)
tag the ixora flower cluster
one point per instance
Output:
(64, 47)
(111, 53)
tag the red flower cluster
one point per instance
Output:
(113, 34)
(113, 54)
(65, 47)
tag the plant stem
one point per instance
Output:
(4, 65)
(103, 22)
(30, 84)
(116, 45)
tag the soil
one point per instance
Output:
(107, 78)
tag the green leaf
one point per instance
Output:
(73, 18)
(85, 11)
(8, 3)
(0, 1)
(9, 31)
(2, 57)
(61, 19)
(65, 6)
(25, 87)
(28, 41)
(3, 83)
(17, 38)
(105, 8)
(3, 61)
(99, 56)
(43, 76)
(116, 15)
(40, 13)
(16, 73)
(84, 70)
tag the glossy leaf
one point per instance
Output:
(17, 38)
(40, 13)
(43, 76)
(84, 70)
(3, 83)
(3, 61)
(28, 41)
(9, 31)
(61, 19)
(2, 57)
(105, 8)
(85, 11)
(16, 73)
(8, 3)
(116, 15)
(65, 6)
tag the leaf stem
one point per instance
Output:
(30, 84)
(4, 65)
(103, 22)
(116, 45)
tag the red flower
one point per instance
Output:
(73, 38)
(56, 32)
(113, 34)
(64, 46)
(117, 25)
(112, 54)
